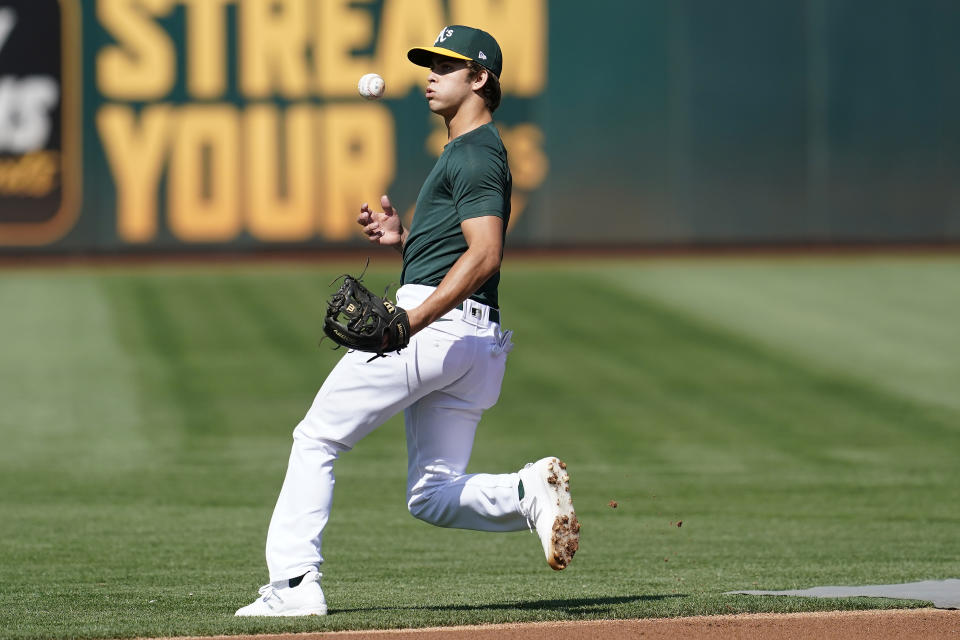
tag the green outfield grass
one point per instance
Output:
(799, 416)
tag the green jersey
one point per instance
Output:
(470, 179)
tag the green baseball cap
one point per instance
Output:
(463, 43)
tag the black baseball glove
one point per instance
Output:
(358, 319)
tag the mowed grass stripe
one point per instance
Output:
(176, 350)
(65, 388)
(221, 346)
(666, 372)
(883, 319)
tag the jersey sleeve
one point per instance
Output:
(480, 183)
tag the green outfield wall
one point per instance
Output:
(130, 125)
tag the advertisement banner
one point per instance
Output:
(232, 125)
(40, 178)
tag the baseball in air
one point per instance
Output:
(371, 86)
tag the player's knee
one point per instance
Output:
(316, 433)
(431, 506)
(429, 510)
(305, 441)
(419, 508)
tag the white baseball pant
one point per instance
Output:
(448, 375)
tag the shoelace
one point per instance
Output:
(268, 591)
(531, 525)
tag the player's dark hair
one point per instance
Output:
(490, 91)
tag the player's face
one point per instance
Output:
(447, 85)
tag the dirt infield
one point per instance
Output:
(838, 625)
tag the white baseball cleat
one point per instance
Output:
(280, 599)
(548, 508)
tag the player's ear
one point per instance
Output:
(482, 76)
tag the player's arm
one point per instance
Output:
(383, 227)
(484, 236)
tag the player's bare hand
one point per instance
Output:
(381, 227)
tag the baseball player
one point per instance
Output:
(452, 369)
